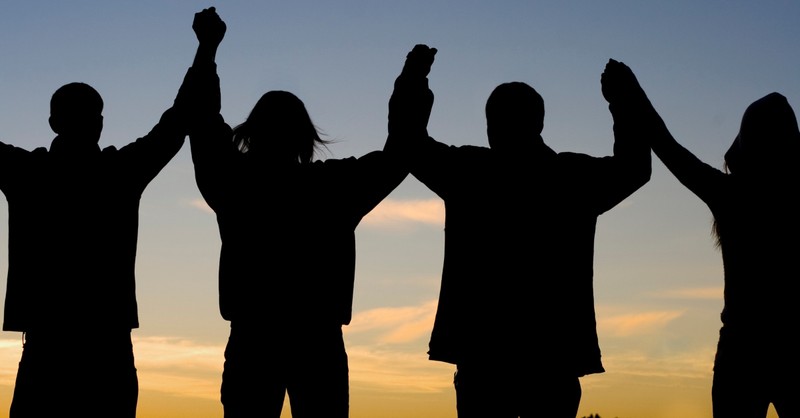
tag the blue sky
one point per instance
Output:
(658, 279)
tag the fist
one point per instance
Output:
(419, 61)
(208, 26)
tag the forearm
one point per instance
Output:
(690, 171)
(202, 82)
(410, 105)
(633, 129)
(205, 55)
(411, 101)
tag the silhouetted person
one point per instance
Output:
(287, 225)
(756, 225)
(73, 226)
(516, 309)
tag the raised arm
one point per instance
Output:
(380, 172)
(633, 117)
(200, 89)
(409, 110)
(697, 176)
(630, 166)
(159, 146)
(209, 135)
(412, 100)
(210, 30)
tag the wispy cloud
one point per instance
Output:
(393, 213)
(10, 352)
(636, 323)
(178, 366)
(170, 352)
(387, 348)
(387, 351)
(625, 203)
(201, 205)
(395, 325)
(397, 371)
(389, 213)
(168, 365)
(700, 293)
(687, 365)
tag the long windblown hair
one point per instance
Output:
(279, 125)
(766, 146)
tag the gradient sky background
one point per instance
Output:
(658, 279)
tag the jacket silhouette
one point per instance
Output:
(73, 225)
(287, 263)
(516, 296)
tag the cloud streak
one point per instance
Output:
(10, 352)
(637, 323)
(687, 366)
(200, 204)
(397, 325)
(387, 348)
(394, 213)
(387, 351)
(179, 367)
(696, 293)
(390, 213)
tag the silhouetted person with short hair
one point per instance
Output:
(287, 226)
(516, 307)
(73, 226)
(754, 207)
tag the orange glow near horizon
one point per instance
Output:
(178, 378)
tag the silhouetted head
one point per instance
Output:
(76, 112)
(278, 127)
(514, 112)
(768, 138)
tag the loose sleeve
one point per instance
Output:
(149, 154)
(210, 138)
(618, 176)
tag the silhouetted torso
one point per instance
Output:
(517, 275)
(757, 222)
(73, 219)
(287, 262)
(759, 250)
(288, 230)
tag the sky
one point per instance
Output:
(658, 277)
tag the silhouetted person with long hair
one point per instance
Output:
(73, 226)
(287, 226)
(756, 225)
(516, 308)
